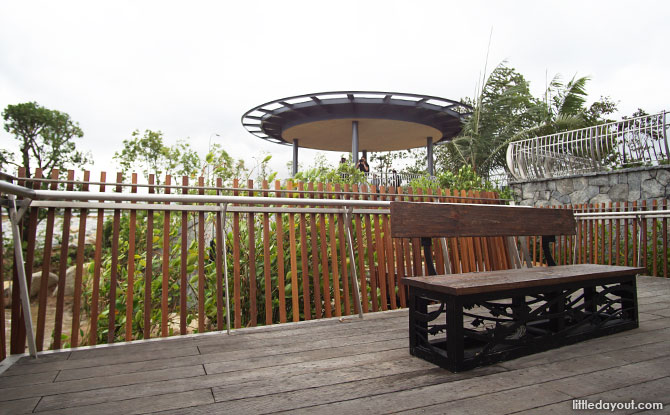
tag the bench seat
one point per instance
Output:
(487, 317)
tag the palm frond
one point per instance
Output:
(573, 96)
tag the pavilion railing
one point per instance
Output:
(136, 261)
(639, 141)
(390, 179)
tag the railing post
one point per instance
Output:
(665, 137)
(21, 268)
(224, 207)
(352, 260)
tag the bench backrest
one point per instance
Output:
(438, 220)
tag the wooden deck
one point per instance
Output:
(333, 366)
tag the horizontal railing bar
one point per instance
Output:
(244, 189)
(14, 189)
(625, 212)
(194, 208)
(167, 198)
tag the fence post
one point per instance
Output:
(21, 268)
(352, 260)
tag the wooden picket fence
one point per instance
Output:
(286, 264)
(610, 240)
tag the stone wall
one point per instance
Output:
(643, 183)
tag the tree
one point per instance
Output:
(566, 110)
(149, 154)
(46, 138)
(504, 108)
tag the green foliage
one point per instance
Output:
(148, 154)
(506, 111)
(322, 172)
(466, 178)
(504, 107)
(46, 138)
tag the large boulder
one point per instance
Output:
(69, 281)
(7, 293)
(35, 285)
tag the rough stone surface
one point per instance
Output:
(644, 183)
(599, 181)
(580, 183)
(601, 198)
(650, 188)
(619, 192)
(559, 197)
(663, 177)
(585, 195)
(634, 195)
(565, 186)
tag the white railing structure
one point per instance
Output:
(390, 179)
(639, 141)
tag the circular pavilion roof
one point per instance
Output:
(386, 120)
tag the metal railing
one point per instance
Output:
(390, 179)
(639, 141)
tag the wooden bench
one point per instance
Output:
(460, 321)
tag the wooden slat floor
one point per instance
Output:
(334, 366)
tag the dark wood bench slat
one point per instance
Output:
(436, 220)
(492, 281)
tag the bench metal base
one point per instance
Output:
(508, 324)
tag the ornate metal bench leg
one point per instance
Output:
(417, 328)
(455, 340)
(629, 301)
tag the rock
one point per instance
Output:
(633, 195)
(644, 175)
(565, 186)
(601, 198)
(663, 177)
(651, 189)
(585, 195)
(619, 193)
(69, 280)
(36, 282)
(634, 182)
(559, 199)
(7, 294)
(580, 183)
(528, 190)
(613, 179)
(599, 181)
(543, 195)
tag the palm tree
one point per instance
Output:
(565, 108)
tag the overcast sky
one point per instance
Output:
(191, 69)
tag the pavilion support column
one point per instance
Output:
(365, 154)
(429, 155)
(354, 141)
(294, 167)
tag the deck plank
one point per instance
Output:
(308, 364)
(348, 366)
